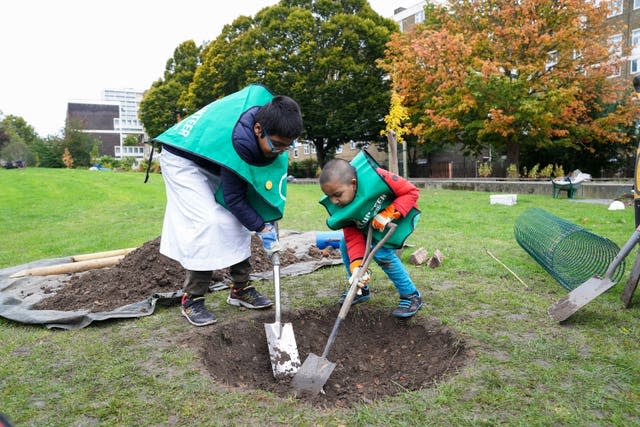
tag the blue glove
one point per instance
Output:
(269, 239)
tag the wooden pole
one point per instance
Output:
(70, 267)
(106, 254)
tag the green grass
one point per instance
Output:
(528, 370)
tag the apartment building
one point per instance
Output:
(111, 120)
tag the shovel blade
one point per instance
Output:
(283, 350)
(579, 297)
(312, 375)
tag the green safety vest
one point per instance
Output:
(372, 195)
(208, 133)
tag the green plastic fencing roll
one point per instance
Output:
(571, 254)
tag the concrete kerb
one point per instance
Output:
(595, 189)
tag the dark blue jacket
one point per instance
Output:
(234, 188)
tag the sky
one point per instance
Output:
(53, 52)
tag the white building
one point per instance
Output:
(128, 122)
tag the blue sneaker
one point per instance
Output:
(361, 296)
(248, 297)
(195, 312)
(408, 305)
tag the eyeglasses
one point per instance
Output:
(279, 148)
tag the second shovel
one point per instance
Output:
(283, 350)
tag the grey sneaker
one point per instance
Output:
(195, 311)
(248, 297)
(408, 305)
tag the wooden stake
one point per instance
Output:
(501, 263)
(98, 255)
(70, 267)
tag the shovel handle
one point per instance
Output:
(623, 253)
(275, 259)
(351, 293)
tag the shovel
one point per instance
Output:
(592, 288)
(283, 351)
(315, 370)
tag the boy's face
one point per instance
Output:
(340, 193)
(271, 145)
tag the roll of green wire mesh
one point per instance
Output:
(568, 252)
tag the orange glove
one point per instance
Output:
(355, 267)
(384, 217)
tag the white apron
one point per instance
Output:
(198, 232)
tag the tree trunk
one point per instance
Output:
(320, 154)
(513, 153)
(393, 152)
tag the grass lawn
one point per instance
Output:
(528, 370)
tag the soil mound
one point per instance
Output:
(145, 272)
(376, 355)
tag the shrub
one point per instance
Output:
(512, 171)
(485, 170)
(534, 173)
(558, 171)
(547, 171)
(304, 169)
(155, 166)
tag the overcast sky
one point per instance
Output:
(54, 52)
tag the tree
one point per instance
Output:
(395, 130)
(532, 73)
(17, 138)
(161, 102)
(131, 141)
(321, 53)
(67, 158)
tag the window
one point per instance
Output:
(420, 17)
(339, 149)
(616, 7)
(295, 153)
(615, 52)
(353, 145)
(634, 60)
(553, 57)
(636, 4)
(305, 148)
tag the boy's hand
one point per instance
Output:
(355, 268)
(384, 217)
(269, 239)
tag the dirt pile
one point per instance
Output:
(145, 272)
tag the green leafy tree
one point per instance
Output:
(131, 141)
(321, 53)
(532, 73)
(161, 102)
(49, 152)
(17, 138)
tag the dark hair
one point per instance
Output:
(337, 170)
(281, 117)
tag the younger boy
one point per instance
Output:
(361, 192)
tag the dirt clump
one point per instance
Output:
(141, 274)
(376, 355)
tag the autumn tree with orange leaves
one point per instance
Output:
(513, 74)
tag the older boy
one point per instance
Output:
(225, 172)
(361, 192)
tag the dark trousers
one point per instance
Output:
(197, 282)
